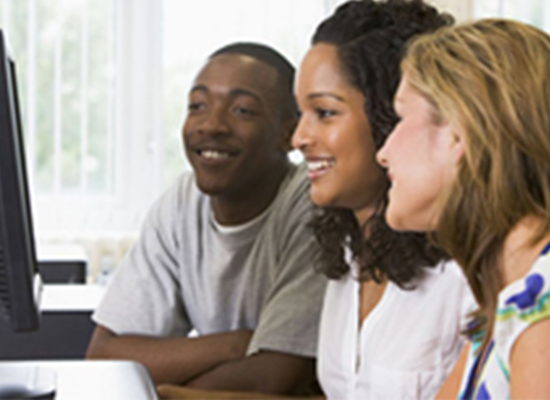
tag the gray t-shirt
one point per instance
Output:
(187, 272)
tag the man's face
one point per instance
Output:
(233, 127)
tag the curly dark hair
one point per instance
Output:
(371, 38)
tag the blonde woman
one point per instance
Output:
(470, 160)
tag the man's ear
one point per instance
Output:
(285, 140)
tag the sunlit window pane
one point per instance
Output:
(64, 55)
(71, 93)
(99, 162)
(42, 170)
(535, 12)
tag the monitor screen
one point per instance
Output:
(19, 280)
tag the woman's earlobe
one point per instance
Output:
(458, 144)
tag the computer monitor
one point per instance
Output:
(20, 283)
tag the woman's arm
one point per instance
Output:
(530, 363)
(451, 387)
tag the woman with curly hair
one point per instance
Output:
(392, 312)
(474, 105)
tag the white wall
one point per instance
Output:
(460, 9)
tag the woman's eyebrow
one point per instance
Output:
(315, 95)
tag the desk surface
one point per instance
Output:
(83, 380)
(70, 297)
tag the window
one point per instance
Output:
(103, 86)
(64, 56)
(535, 12)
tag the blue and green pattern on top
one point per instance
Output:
(521, 304)
(529, 305)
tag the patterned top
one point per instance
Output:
(520, 304)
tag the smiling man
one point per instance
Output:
(226, 251)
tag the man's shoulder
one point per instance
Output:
(292, 208)
(182, 192)
(295, 189)
(181, 199)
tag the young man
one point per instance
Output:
(226, 250)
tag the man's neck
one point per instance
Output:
(249, 203)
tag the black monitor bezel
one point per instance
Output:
(20, 298)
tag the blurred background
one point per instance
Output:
(103, 87)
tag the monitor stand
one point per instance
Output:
(27, 382)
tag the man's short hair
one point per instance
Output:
(270, 56)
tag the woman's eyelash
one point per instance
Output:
(324, 112)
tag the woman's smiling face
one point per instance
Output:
(421, 156)
(334, 134)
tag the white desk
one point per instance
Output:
(59, 298)
(97, 380)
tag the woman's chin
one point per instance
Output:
(398, 221)
(320, 198)
(405, 223)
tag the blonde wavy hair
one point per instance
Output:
(491, 81)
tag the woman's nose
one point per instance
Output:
(302, 138)
(382, 154)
